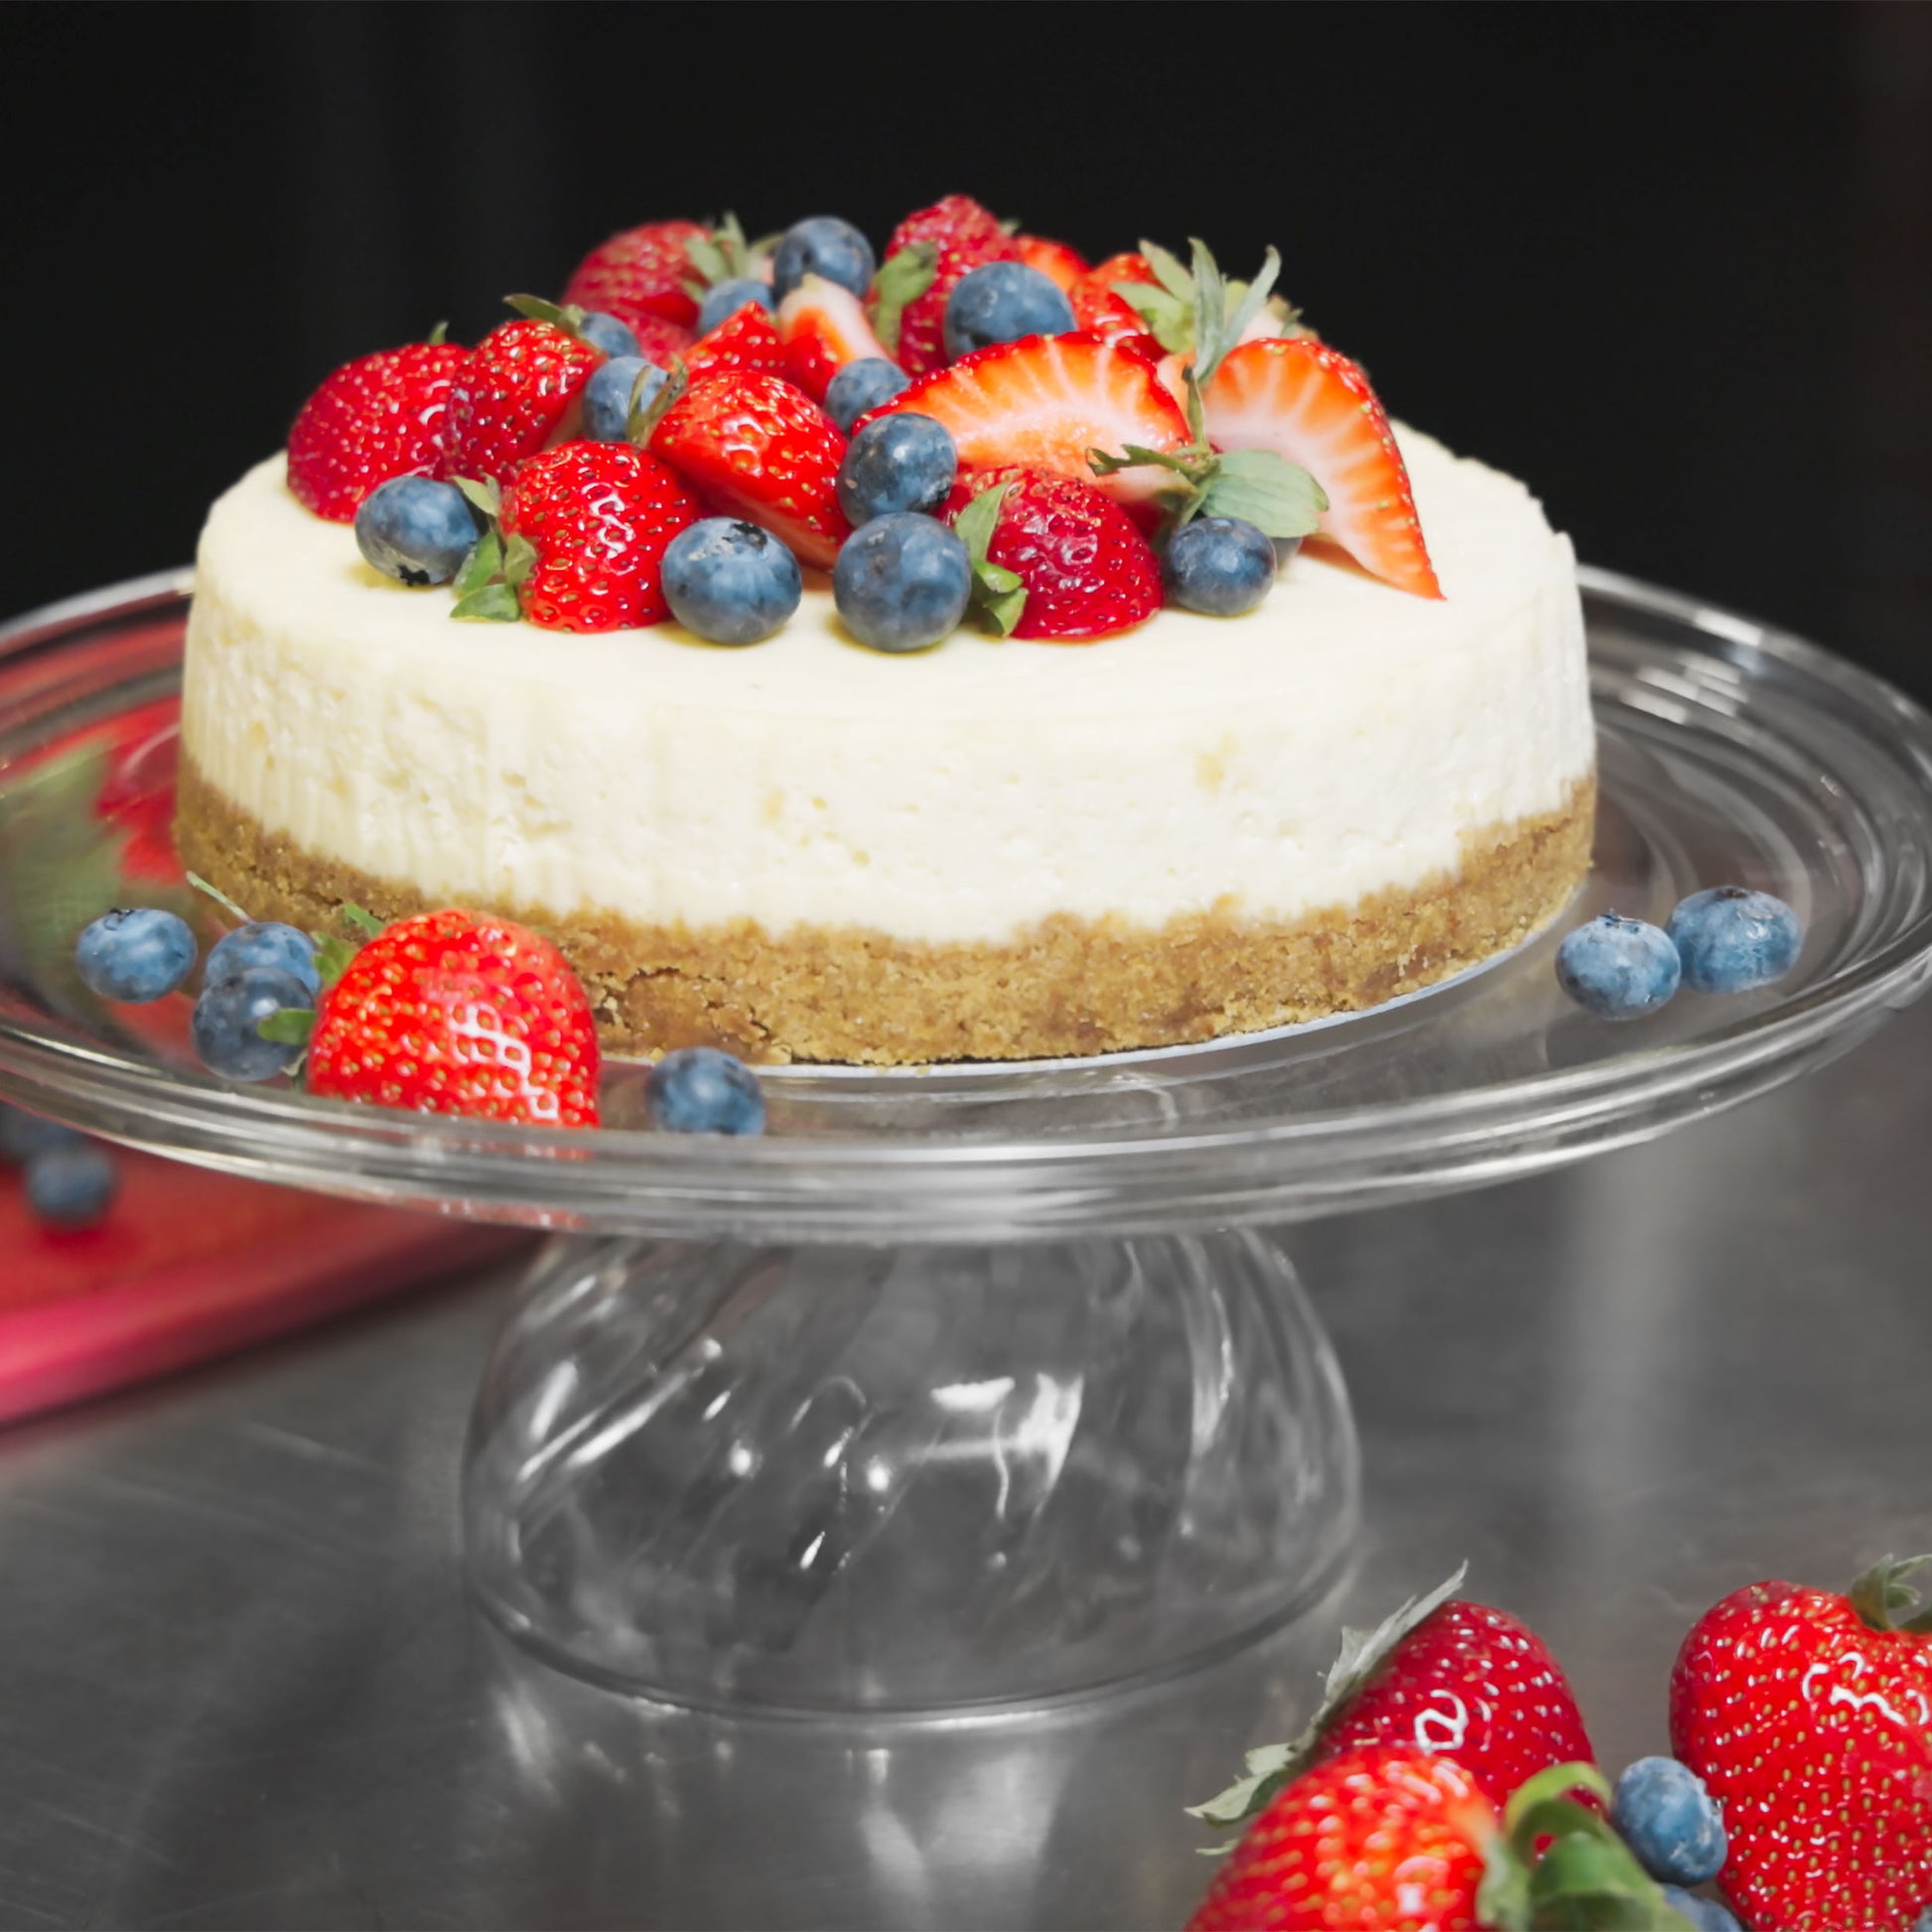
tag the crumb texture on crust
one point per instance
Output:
(1067, 986)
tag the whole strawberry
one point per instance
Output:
(515, 394)
(378, 417)
(757, 447)
(1099, 307)
(599, 518)
(449, 1013)
(748, 338)
(964, 236)
(641, 272)
(1808, 1715)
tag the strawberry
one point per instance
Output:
(1098, 308)
(659, 340)
(747, 339)
(517, 392)
(1300, 399)
(964, 236)
(1061, 265)
(824, 328)
(450, 1012)
(599, 518)
(757, 447)
(1046, 402)
(640, 272)
(1808, 1715)
(380, 416)
(1087, 572)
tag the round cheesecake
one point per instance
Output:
(804, 850)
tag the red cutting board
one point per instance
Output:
(189, 1264)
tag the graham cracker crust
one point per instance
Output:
(1067, 987)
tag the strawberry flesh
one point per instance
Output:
(824, 328)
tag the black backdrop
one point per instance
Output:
(1672, 264)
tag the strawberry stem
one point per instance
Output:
(1886, 1599)
(220, 898)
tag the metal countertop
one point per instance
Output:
(240, 1687)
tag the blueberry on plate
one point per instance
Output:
(415, 531)
(228, 1014)
(722, 300)
(1617, 968)
(729, 581)
(1001, 301)
(606, 396)
(1219, 564)
(1731, 939)
(901, 582)
(264, 943)
(1707, 1915)
(863, 385)
(822, 245)
(899, 463)
(700, 1090)
(134, 954)
(1670, 1821)
(71, 1186)
(607, 335)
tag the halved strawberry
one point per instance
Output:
(1061, 265)
(1045, 401)
(747, 339)
(759, 448)
(516, 392)
(824, 328)
(966, 237)
(1303, 401)
(640, 272)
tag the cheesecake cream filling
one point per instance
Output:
(1342, 740)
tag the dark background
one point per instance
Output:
(1672, 265)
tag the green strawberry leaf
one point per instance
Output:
(1280, 499)
(998, 595)
(1169, 317)
(643, 414)
(481, 493)
(1168, 272)
(1245, 309)
(493, 604)
(903, 277)
(362, 920)
(438, 335)
(1887, 1598)
(566, 316)
(519, 559)
(724, 255)
(291, 1027)
(332, 959)
(482, 566)
(220, 898)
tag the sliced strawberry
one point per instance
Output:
(747, 339)
(824, 328)
(517, 391)
(640, 272)
(378, 417)
(1045, 401)
(967, 236)
(1303, 401)
(1061, 265)
(757, 447)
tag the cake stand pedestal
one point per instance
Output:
(982, 1386)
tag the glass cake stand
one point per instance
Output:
(980, 1385)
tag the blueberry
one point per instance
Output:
(1002, 302)
(415, 529)
(724, 300)
(227, 1015)
(71, 1186)
(1669, 1821)
(863, 385)
(822, 245)
(729, 581)
(607, 335)
(901, 582)
(1731, 940)
(699, 1090)
(606, 396)
(1616, 968)
(264, 943)
(899, 463)
(23, 1136)
(1707, 1915)
(135, 953)
(1219, 564)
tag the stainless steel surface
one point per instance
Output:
(238, 1686)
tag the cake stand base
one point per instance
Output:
(843, 1478)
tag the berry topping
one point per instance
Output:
(950, 238)
(759, 448)
(727, 298)
(1731, 940)
(1098, 306)
(1218, 565)
(825, 246)
(896, 463)
(1081, 567)
(382, 416)
(1302, 400)
(700, 1090)
(1002, 302)
(729, 581)
(612, 394)
(1617, 968)
(607, 335)
(825, 330)
(514, 395)
(415, 531)
(641, 272)
(135, 954)
(71, 1187)
(1665, 1816)
(1061, 265)
(229, 1017)
(860, 387)
(264, 943)
(1047, 402)
(901, 582)
(451, 1013)
(747, 339)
